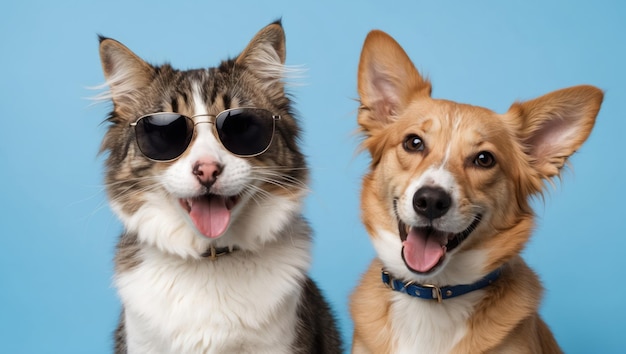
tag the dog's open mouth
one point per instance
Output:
(425, 248)
(210, 213)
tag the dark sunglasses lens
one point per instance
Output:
(163, 136)
(245, 131)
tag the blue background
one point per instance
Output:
(58, 234)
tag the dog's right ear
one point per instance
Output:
(552, 127)
(387, 81)
(124, 71)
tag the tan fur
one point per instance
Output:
(530, 143)
(370, 311)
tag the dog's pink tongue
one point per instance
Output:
(422, 250)
(210, 215)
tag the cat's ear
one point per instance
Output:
(124, 71)
(265, 54)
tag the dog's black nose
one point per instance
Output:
(431, 202)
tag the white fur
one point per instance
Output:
(455, 131)
(243, 302)
(431, 327)
(198, 102)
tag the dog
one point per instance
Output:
(446, 204)
(204, 170)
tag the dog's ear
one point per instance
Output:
(555, 125)
(125, 72)
(387, 81)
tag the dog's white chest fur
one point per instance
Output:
(240, 303)
(425, 326)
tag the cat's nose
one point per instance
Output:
(207, 170)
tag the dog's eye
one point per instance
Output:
(484, 159)
(413, 143)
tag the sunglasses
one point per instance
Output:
(245, 132)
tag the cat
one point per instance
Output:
(205, 171)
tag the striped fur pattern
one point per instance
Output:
(255, 299)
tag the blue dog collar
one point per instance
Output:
(433, 292)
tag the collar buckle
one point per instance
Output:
(436, 291)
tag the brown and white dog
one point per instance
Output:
(446, 204)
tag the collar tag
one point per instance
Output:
(213, 253)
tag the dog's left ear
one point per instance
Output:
(387, 81)
(555, 125)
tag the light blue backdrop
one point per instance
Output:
(58, 235)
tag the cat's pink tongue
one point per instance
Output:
(422, 250)
(210, 215)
